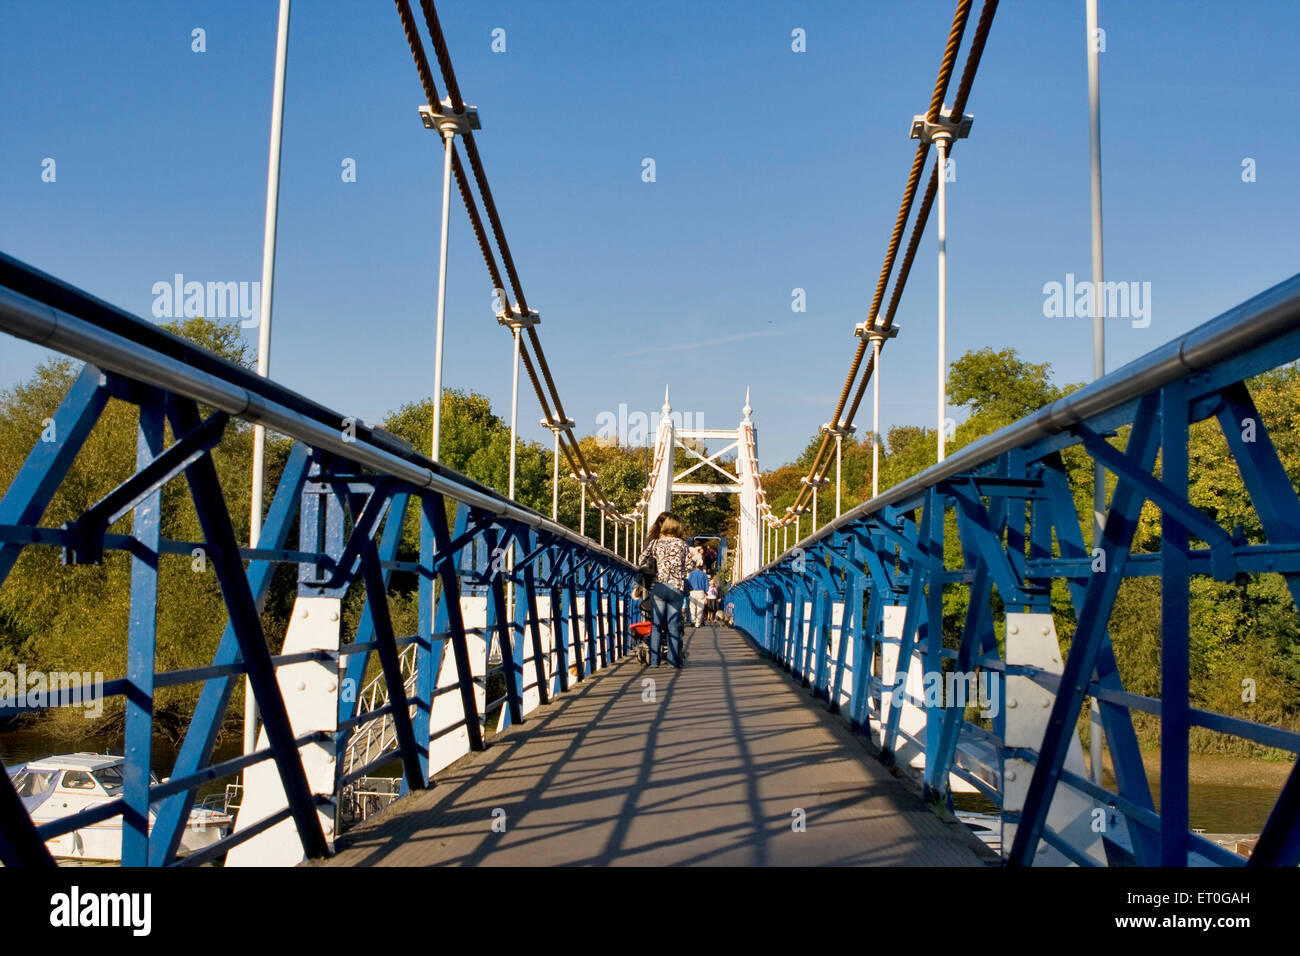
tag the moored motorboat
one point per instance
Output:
(65, 784)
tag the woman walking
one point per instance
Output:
(672, 560)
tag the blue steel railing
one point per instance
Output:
(889, 552)
(345, 490)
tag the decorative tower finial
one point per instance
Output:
(747, 410)
(667, 409)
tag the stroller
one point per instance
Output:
(641, 630)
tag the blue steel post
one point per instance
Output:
(625, 635)
(588, 620)
(214, 519)
(1117, 723)
(449, 575)
(504, 622)
(1175, 635)
(1004, 566)
(196, 749)
(762, 599)
(602, 636)
(355, 664)
(782, 622)
(810, 652)
(1099, 597)
(868, 689)
(575, 626)
(559, 637)
(978, 624)
(791, 661)
(850, 619)
(822, 673)
(917, 568)
(535, 628)
(429, 651)
(611, 612)
(141, 644)
(852, 635)
(933, 657)
(389, 659)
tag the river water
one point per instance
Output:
(1227, 794)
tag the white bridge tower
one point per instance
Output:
(743, 481)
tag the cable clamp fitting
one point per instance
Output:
(516, 319)
(944, 128)
(868, 331)
(446, 121)
(841, 431)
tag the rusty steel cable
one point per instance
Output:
(946, 64)
(973, 57)
(568, 442)
(471, 150)
(965, 84)
(546, 411)
(923, 213)
(417, 51)
(431, 93)
(960, 16)
(955, 33)
(493, 215)
(444, 58)
(904, 270)
(498, 231)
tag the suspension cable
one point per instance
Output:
(820, 461)
(494, 219)
(568, 443)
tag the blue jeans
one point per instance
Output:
(668, 624)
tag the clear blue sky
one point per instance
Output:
(775, 170)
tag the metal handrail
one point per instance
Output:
(156, 357)
(1270, 315)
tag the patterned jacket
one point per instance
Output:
(672, 558)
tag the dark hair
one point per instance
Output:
(671, 526)
(656, 526)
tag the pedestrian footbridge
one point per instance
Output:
(510, 717)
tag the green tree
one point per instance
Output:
(75, 618)
(1244, 633)
(999, 386)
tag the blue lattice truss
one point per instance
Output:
(890, 551)
(347, 521)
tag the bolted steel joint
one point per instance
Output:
(873, 332)
(448, 122)
(945, 128)
(516, 319)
